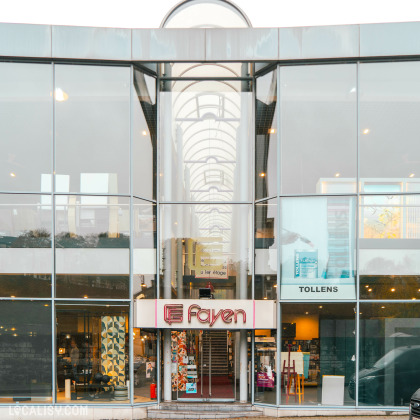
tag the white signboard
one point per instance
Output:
(319, 288)
(204, 314)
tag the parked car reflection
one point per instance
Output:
(391, 380)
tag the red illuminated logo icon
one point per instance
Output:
(173, 313)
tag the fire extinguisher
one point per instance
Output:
(153, 390)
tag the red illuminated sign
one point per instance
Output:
(174, 313)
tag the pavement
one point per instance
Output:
(385, 417)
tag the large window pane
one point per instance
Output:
(25, 127)
(389, 247)
(318, 248)
(266, 136)
(144, 250)
(266, 250)
(323, 336)
(145, 364)
(206, 129)
(92, 353)
(92, 246)
(25, 352)
(389, 127)
(25, 245)
(92, 117)
(265, 366)
(389, 353)
(206, 246)
(318, 129)
(144, 135)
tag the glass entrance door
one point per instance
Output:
(203, 365)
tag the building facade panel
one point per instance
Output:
(242, 44)
(154, 207)
(91, 43)
(319, 42)
(168, 45)
(18, 40)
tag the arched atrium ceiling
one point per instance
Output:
(210, 128)
(206, 14)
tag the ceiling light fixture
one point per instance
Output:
(60, 95)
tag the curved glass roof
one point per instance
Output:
(206, 14)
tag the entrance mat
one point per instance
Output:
(221, 387)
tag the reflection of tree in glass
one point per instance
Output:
(35, 238)
(100, 240)
(382, 222)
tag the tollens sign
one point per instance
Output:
(204, 314)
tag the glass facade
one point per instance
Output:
(92, 352)
(131, 186)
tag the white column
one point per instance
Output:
(243, 366)
(242, 158)
(168, 270)
(167, 361)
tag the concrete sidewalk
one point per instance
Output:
(385, 417)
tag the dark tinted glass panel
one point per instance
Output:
(320, 342)
(266, 250)
(92, 246)
(389, 247)
(389, 353)
(389, 126)
(92, 105)
(25, 245)
(318, 129)
(144, 135)
(144, 250)
(25, 127)
(266, 136)
(25, 352)
(92, 353)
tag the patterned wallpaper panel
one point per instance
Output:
(113, 348)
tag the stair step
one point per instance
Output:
(207, 406)
(180, 410)
(178, 414)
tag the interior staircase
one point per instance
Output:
(219, 352)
